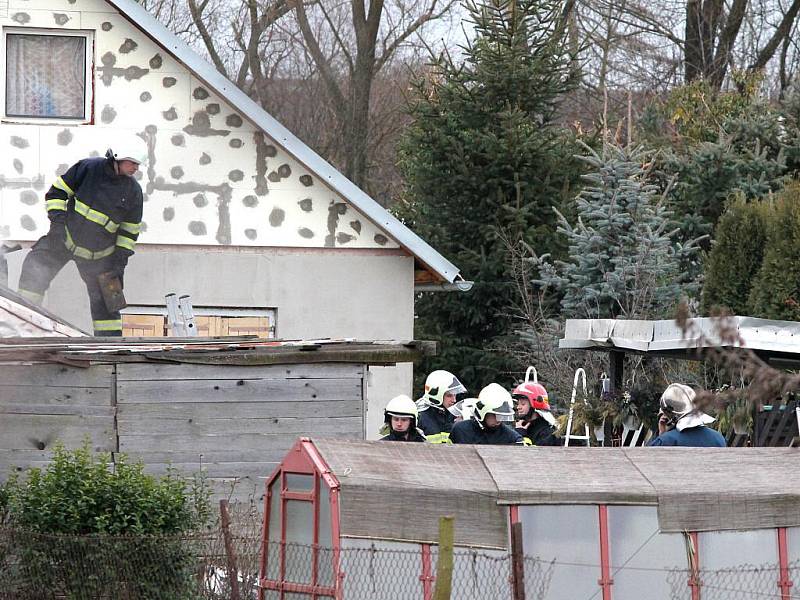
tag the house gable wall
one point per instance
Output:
(213, 178)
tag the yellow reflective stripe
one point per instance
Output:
(438, 438)
(527, 441)
(134, 228)
(124, 241)
(95, 216)
(85, 253)
(55, 204)
(109, 325)
(32, 296)
(60, 184)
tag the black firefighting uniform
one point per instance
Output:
(436, 423)
(100, 213)
(469, 432)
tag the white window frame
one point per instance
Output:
(88, 96)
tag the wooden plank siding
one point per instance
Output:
(233, 422)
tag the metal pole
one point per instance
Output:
(444, 566)
(517, 562)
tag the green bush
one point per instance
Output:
(736, 257)
(83, 528)
(776, 289)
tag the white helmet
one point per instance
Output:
(677, 403)
(401, 406)
(440, 383)
(494, 399)
(463, 409)
(133, 149)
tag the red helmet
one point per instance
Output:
(533, 393)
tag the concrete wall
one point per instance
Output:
(364, 294)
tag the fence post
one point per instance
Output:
(517, 562)
(230, 551)
(444, 566)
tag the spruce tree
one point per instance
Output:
(736, 256)
(776, 290)
(623, 260)
(483, 163)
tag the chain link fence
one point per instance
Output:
(201, 566)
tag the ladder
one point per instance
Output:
(180, 315)
(579, 374)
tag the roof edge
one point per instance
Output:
(182, 52)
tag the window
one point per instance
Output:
(47, 74)
(150, 321)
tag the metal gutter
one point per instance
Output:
(425, 253)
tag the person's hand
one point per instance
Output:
(57, 235)
(663, 423)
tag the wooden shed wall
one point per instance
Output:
(236, 421)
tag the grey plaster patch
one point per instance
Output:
(108, 114)
(5, 231)
(20, 183)
(380, 239)
(213, 108)
(60, 18)
(150, 129)
(200, 201)
(235, 143)
(156, 61)
(176, 172)
(205, 159)
(19, 142)
(61, 169)
(262, 187)
(94, 154)
(197, 228)
(106, 26)
(224, 214)
(236, 175)
(64, 137)
(306, 204)
(233, 120)
(143, 227)
(274, 177)
(21, 18)
(201, 126)
(250, 201)
(250, 234)
(29, 197)
(169, 213)
(306, 180)
(276, 217)
(356, 225)
(178, 140)
(200, 93)
(145, 96)
(306, 233)
(171, 114)
(27, 223)
(18, 165)
(284, 171)
(128, 46)
(343, 238)
(335, 210)
(168, 82)
(108, 71)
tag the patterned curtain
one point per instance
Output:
(45, 76)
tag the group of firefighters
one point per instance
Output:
(521, 416)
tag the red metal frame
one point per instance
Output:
(605, 581)
(427, 578)
(785, 581)
(694, 568)
(302, 459)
